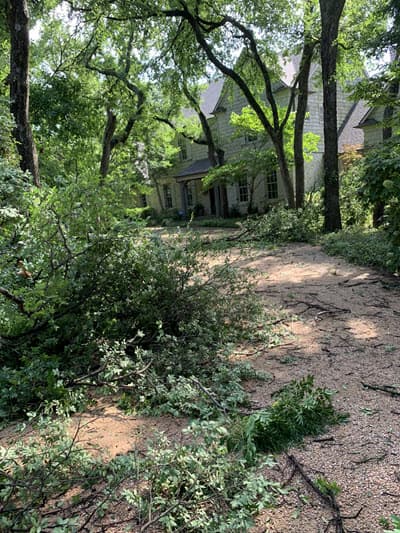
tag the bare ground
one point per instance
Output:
(345, 331)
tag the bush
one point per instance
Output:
(282, 225)
(353, 206)
(93, 281)
(202, 484)
(35, 473)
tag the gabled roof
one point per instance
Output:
(209, 98)
(289, 68)
(366, 119)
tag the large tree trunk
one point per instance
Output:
(301, 111)
(18, 21)
(331, 11)
(284, 169)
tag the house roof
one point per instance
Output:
(199, 167)
(290, 67)
(366, 119)
(209, 98)
(349, 134)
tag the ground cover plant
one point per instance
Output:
(363, 246)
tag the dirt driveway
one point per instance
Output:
(348, 336)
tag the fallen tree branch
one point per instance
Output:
(389, 389)
(328, 498)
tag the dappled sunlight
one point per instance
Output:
(362, 328)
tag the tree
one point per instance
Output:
(18, 23)
(218, 37)
(331, 11)
(309, 46)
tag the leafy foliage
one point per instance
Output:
(88, 281)
(200, 483)
(281, 225)
(353, 206)
(300, 409)
(363, 247)
(396, 525)
(35, 471)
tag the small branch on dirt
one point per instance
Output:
(389, 389)
(347, 282)
(385, 493)
(328, 498)
(319, 315)
(369, 459)
(323, 310)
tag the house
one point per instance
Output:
(182, 187)
(371, 123)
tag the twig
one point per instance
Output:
(209, 395)
(389, 389)
(328, 498)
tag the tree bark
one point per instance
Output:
(109, 131)
(18, 22)
(331, 11)
(278, 143)
(301, 111)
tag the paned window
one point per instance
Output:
(243, 190)
(167, 196)
(272, 185)
(190, 195)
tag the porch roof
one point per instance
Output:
(196, 169)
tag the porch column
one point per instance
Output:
(183, 188)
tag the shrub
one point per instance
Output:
(202, 484)
(353, 206)
(92, 281)
(48, 483)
